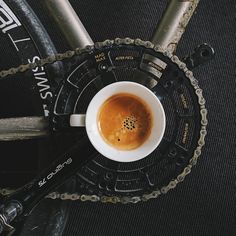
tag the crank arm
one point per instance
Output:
(18, 205)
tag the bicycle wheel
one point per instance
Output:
(23, 40)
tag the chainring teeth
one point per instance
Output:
(179, 90)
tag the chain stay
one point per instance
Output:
(127, 41)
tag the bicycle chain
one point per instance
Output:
(119, 41)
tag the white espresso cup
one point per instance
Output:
(90, 121)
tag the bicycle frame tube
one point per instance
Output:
(21, 128)
(167, 34)
(173, 23)
(69, 23)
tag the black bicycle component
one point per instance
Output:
(158, 72)
(18, 205)
(201, 55)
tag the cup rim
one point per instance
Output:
(100, 144)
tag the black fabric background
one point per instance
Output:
(204, 204)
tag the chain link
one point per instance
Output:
(119, 41)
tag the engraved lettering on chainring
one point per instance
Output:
(186, 99)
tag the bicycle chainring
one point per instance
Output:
(177, 89)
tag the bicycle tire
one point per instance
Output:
(23, 39)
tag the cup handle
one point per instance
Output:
(77, 120)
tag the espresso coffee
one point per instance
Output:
(125, 121)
